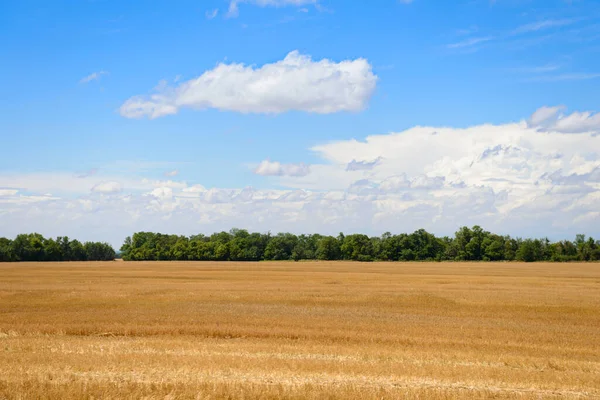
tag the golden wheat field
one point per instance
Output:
(308, 330)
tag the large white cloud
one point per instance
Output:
(294, 83)
(513, 178)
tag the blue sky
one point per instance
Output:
(193, 116)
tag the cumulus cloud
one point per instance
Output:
(294, 83)
(512, 178)
(362, 165)
(107, 188)
(554, 119)
(193, 191)
(544, 115)
(163, 193)
(170, 184)
(274, 168)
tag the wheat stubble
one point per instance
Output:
(299, 330)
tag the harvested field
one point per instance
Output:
(317, 330)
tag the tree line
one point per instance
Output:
(468, 244)
(35, 247)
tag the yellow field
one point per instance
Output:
(318, 330)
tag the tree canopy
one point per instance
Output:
(35, 247)
(468, 244)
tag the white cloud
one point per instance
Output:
(578, 122)
(514, 178)
(233, 10)
(88, 173)
(543, 24)
(163, 193)
(8, 192)
(10, 201)
(171, 173)
(536, 70)
(193, 191)
(472, 43)
(274, 168)
(553, 119)
(169, 184)
(46, 182)
(565, 77)
(107, 188)
(294, 83)
(94, 76)
(469, 42)
(362, 165)
(212, 13)
(545, 114)
(69, 184)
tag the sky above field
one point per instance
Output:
(306, 116)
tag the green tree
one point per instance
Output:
(531, 250)
(52, 250)
(280, 247)
(328, 248)
(126, 249)
(425, 246)
(28, 247)
(493, 248)
(6, 250)
(462, 238)
(181, 249)
(357, 247)
(77, 251)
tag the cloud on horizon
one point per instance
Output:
(539, 177)
(274, 168)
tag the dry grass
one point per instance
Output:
(299, 330)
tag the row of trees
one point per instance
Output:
(35, 247)
(468, 244)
